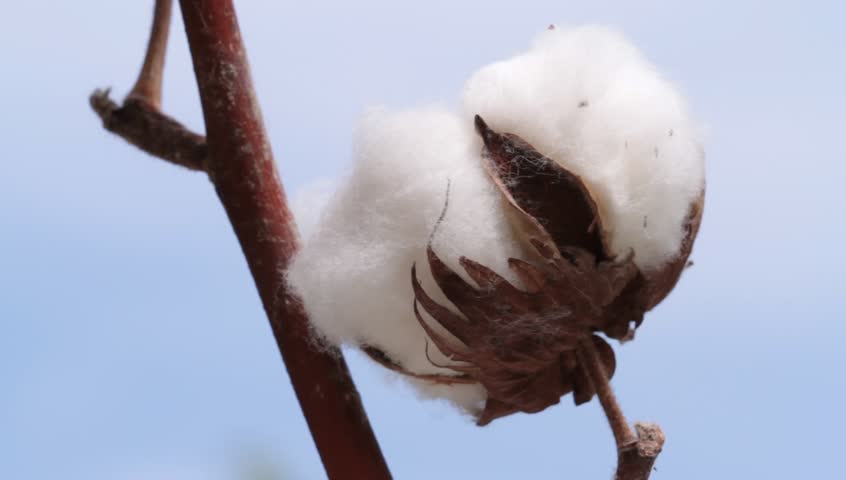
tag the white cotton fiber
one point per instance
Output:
(584, 97)
(589, 100)
(354, 275)
(309, 202)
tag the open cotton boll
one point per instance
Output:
(354, 274)
(588, 99)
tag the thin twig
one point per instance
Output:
(140, 120)
(592, 365)
(148, 87)
(636, 453)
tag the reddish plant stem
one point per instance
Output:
(240, 164)
(144, 126)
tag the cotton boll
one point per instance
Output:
(354, 274)
(587, 99)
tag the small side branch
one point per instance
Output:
(140, 120)
(636, 452)
(148, 87)
(143, 125)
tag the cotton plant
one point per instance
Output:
(481, 250)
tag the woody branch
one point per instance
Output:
(237, 158)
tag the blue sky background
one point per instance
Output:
(133, 344)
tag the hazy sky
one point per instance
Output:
(133, 344)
